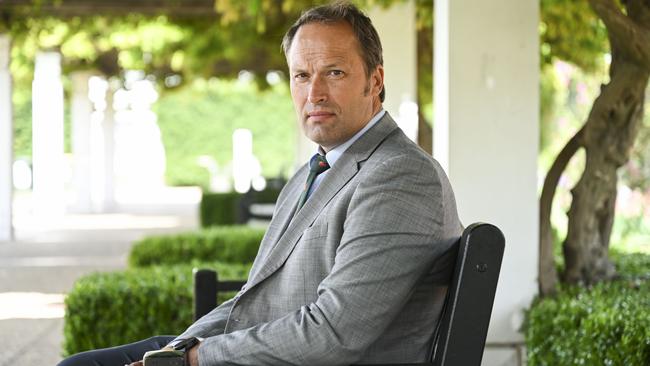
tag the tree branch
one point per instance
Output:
(547, 273)
(626, 35)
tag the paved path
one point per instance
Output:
(47, 257)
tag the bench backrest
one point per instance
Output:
(460, 337)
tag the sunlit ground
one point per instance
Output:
(31, 305)
(101, 238)
(115, 221)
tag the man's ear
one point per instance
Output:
(377, 80)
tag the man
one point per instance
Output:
(354, 265)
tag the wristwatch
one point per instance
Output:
(184, 344)
(171, 357)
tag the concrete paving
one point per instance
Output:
(41, 265)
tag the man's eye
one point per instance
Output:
(336, 72)
(301, 76)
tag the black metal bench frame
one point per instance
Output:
(460, 337)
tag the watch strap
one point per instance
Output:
(184, 343)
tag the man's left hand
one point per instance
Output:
(193, 355)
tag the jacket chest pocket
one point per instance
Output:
(314, 251)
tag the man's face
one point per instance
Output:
(333, 97)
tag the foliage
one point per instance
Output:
(238, 35)
(159, 45)
(109, 309)
(200, 120)
(571, 31)
(22, 113)
(94, 42)
(247, 34)
(220, 209)
(608, 324)
(230, 244)
(631, 232)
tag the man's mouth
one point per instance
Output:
(319, 115)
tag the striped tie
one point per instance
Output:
(317, 165)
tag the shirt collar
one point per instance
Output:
(333, 155)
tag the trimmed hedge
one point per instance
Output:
(220, 209)
(269, 195)
(607, 324)
(230, 208)
(231, 244)
(108, 309)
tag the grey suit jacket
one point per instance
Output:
(357, 275)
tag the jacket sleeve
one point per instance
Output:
(392, 225)
(211, 324)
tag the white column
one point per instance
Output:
(6, 141)
(103, 157)
(82, 109)
(397, 31)
(47, 135)
(486, 136)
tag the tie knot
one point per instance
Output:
(318, 164)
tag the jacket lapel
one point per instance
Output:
(281, 218)
(341, 173)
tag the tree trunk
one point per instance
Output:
(609, 136)
(424, 75)
(425, 133)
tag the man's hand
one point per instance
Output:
(141, 363)
(193, 355)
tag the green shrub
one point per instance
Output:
(607, 324)
(226, 208)
(220, 209)
(269, 195)
(108, 309)
(230, 244)
(631, 265)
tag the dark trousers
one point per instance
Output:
(117, 356)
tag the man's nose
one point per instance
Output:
(317, 91)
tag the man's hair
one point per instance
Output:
(342, 11)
